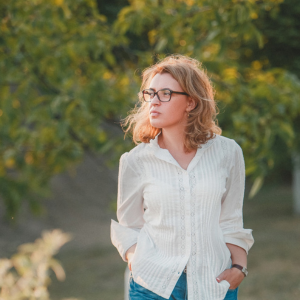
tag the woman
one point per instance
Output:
(180, 193)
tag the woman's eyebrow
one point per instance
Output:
(159, 89)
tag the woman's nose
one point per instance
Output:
(155, 100)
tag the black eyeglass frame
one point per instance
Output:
(156, 93)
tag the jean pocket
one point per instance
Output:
(231, 294)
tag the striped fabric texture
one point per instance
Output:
(181, 217)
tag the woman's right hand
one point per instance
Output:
(129, 254)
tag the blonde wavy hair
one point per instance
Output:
(201, 122)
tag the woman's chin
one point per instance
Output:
(156, 123)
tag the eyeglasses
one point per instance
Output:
(163, 95)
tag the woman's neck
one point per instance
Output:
(172, 139)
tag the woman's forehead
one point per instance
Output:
(164, 80)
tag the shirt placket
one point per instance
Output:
(188, 223)
(185, 227)
(193, 257)
(182, 196)
(186, 232)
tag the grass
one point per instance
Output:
(273, 261)
(96, 274)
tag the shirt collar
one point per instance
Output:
(154, 142)
(165, 155)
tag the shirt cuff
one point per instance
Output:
(242, 238)
(123, 237)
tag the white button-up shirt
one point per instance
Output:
(181, 217)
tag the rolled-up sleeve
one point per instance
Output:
(130, 210)
(231, 218)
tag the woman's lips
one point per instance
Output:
(154, 113)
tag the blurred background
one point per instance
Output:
(70, 71)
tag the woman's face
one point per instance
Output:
(172, 113)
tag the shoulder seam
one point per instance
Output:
(129, 165)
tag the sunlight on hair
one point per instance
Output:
(189, 73)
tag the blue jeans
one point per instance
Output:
(137, 292)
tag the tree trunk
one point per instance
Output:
(296, 183)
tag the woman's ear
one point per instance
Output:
(191, 104)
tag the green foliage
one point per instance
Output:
(69, 67)
(280, 29)
(60, 83)
(259, 103)
(26, 274)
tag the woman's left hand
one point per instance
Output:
(234, 276)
